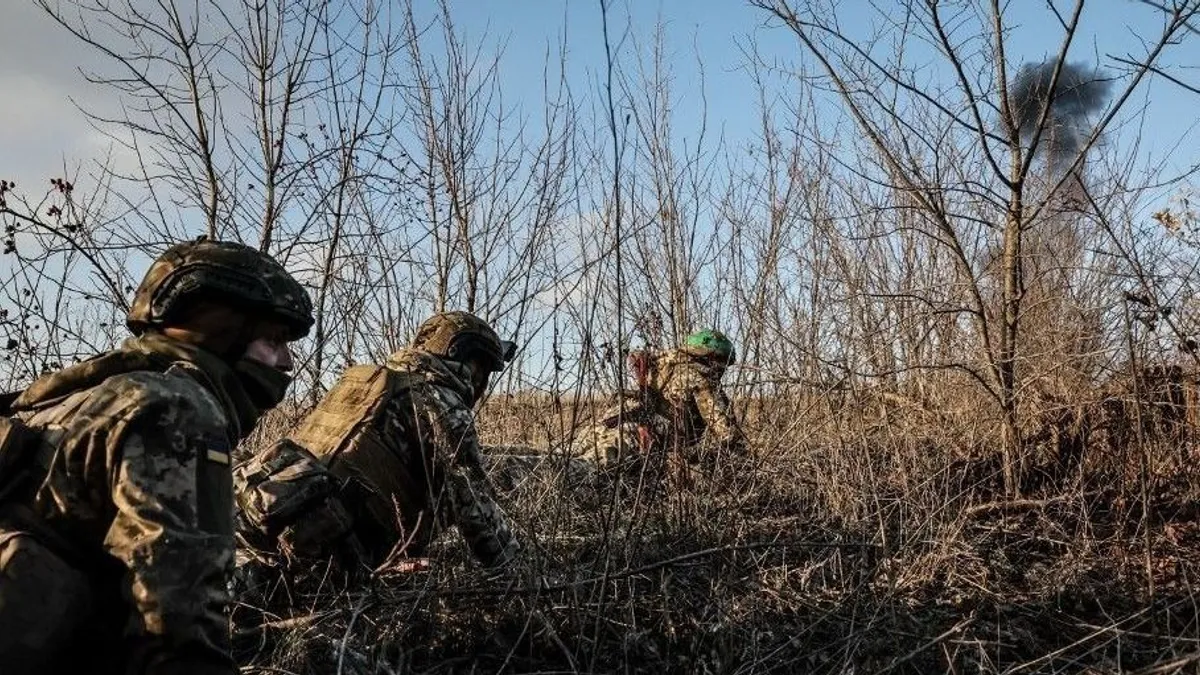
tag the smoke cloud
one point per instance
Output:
(1079, 92)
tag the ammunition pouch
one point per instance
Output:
(288, 495)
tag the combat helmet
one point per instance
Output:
(460, 336)
(711, 344)
(224, 272)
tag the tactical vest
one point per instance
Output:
(341, 423)
(351, 432)
(297, 494)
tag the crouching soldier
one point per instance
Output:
(676, 420)
(116, 492)
(687, 381)
(389, 458)
(624, 435)
(626, 443)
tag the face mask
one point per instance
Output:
(266, 386)
(480, 384)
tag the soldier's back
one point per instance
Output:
(376, 429)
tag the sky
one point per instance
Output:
(706, 42)
(40, 77)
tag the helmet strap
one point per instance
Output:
(479, 381)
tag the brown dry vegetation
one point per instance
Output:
(863, 543)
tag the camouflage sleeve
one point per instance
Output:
(718, 415)
(471, 504)
(172, 489)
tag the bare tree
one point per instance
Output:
(996, 138)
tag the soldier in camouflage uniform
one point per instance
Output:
(624, 434)
(116, 510)
(689, 382)
(400, 440)
(662, 424)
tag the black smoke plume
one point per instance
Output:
(1079, 92)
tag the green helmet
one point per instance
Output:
(711, 344)
(460, 336)
(219, 271)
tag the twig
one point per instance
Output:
(1010, 505)
(956, 628)
(1087, 638)
(621, 574)
(558, 641)
(1170, 666)
(358, 610)
(283, 624)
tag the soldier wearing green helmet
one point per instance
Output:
(689, 380)
(678, 404)
(116, 492)
(712, 345)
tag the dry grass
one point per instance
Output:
(864, 543)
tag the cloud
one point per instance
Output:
(42, 130)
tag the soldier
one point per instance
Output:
(399, 458)
(626, 433)
(689, 382)
(116, 504)
(660, 426)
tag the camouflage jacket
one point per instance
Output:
(694, 399)
(132, 485)
(428, 472)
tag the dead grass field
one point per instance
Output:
(870, 542)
